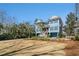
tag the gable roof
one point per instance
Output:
(54, 17)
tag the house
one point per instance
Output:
(52, 28)
(76, 26)
(38, 30)
(55, 26)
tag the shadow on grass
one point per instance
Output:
(5, 54)
(38, 54)
(7, 47)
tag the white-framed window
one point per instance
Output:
(53, 28)
(55, 21)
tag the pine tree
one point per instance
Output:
(70, 24)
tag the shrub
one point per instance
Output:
(77, 37)
(60, 35)
(34, 38)
(5, 36)
(45, 39)
(40, 38)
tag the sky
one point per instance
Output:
(28, 12)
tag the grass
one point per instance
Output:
(39, 47)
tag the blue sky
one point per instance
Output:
(28, 12)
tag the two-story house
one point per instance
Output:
(38, 30)
(52, 28)
(55, 26)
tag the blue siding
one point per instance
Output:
(54, 27)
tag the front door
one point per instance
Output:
(53, 34)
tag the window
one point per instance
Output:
(54, 28)
(51, 28)
(55, 21)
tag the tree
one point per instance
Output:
(26, 30)
(30, 30)
(10, 30)
(40, 24)
(70, 24)
(22, 30)
(13, 30)
(1, 27)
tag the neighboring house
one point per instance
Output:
(52, 28)
(76, 27)
(38, 30)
